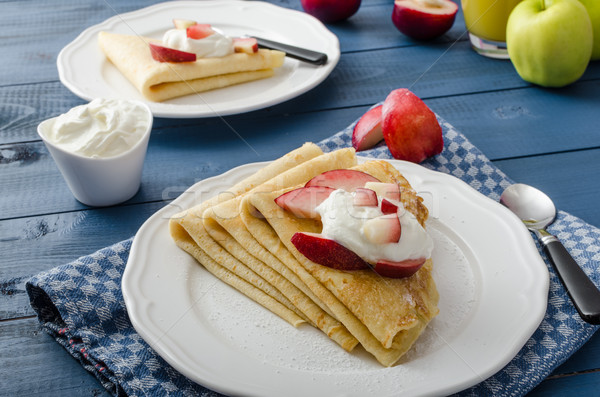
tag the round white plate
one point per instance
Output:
(493, 289)
(83, 68)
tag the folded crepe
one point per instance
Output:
(223, 223)
(385, 315)
(159, 81)
(191, 219)
(250, 234)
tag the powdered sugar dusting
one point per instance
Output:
(262, 337)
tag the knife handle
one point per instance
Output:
(583, 292)
(302, 54)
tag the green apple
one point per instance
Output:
(593, 9)
(549, 41)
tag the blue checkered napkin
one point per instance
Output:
(562, 331)
(80, 304)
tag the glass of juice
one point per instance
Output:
(486, 23)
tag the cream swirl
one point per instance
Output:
(215, 45)
(103, 128)
(343, 222)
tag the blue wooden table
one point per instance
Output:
(549, 138)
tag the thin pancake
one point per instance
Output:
(385, 315)
(216, 245)
(232, 235)
(184, 240)
(159, 81)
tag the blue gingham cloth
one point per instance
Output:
(80, 304)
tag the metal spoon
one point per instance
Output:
(537, 211)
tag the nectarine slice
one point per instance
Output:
(247, 45)
(302, 201)
(400, 269)
(383, 229)
(386, 190)
(388, 207)
(410, 129)
(365, 198)
(327, 252)
(367, 131)
(166, 54)
(199, 31)
(345, 179)
(424, 20)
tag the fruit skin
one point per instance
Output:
(183, 23)
(199, 31)
(327, 252)
(387, 207)
(165, 54)
(367, 131)
(410, 129)
(330, 11)
(593, 9)
(401, 269)
(332, 254)
(302, 201)
(384, 229)
(421, 21)
(365, 198)
(549, 46)
(386, 190)
(247, 45)
(345, 179)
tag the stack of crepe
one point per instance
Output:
(243, 238)
(159, 81)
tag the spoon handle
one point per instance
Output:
(583, 292)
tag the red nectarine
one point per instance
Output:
(410, 129)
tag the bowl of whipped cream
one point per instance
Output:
(100, 148)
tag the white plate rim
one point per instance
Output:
(533, 297)
(291, 80)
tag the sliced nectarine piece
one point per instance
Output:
(345, 179)
(327, 252)
(166, 54)
(383, 229)
(199, 31)
(410, 129)
(424, 20)
(247, 45)
(367, 131)
(388, 207)
(183, 23)
(405, 268)
(386, 190)
(365, 198)
(302, 201)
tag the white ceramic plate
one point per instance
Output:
(83, 68)
(492, 282)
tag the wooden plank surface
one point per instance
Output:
(585, 384)
(518, 123)
(553, 173)
(33, 364)
(25, 346)
(35, 53)
(34, 244)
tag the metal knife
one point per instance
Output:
(302, 54)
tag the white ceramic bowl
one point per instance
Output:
(101, 182)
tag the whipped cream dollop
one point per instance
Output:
(343, 222)
(215, 45)
(102, 128)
